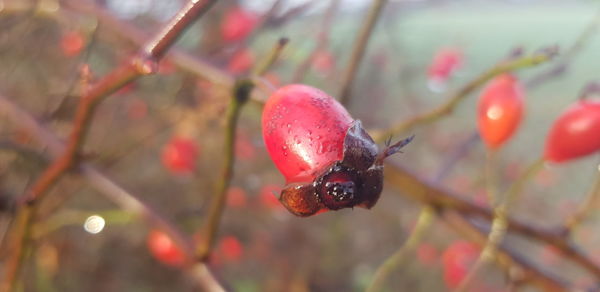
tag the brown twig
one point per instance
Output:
(145, 62)
(105, 186)
(455, 99)
(506, 256)
(322, 41)
(240, 95)
(428, 193)
(359, 49)
(589, 204)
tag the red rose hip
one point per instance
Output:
(163, 248)
(328, 159)
(575, 133)
(500, 110)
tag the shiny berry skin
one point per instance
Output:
(457, 260)
(163, 248)
(237, 24)
(327, 158)
(500, 110)
(179, 155)
(576, 132)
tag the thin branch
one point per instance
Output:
(425, 219)
(359, 50)
(145, 62)
(429, 193)
(453, 101)
(499, 223)
(240, 96)
(506, 256)
(105, 186)
(585, 209)
(322, 41)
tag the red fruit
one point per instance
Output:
(500, 110)
(231, 249)
(327, 158)
(576, 133)
(179, 155)
(163, 248)
(237, 24)
(457, 261)
(445, 62)
(236, 197)
(323, 62)
(72, 43)
(241, 62)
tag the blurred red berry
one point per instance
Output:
(179, 155)
(427, 254)
(576, 132)
(268, 196)
(231, 249)
(237, 24)
(163, 248)
(500, 110)
(236, 197)
(445, 62)
(323, 62)
(72, 43)
(457, 260)
(241, 62)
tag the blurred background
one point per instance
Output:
(51, 50)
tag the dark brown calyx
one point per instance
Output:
(360, 151)
(300, 199)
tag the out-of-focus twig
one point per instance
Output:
(499, 224)
(453, 101)
(589, 204)
(359, 49)
(506, 256)
(322, 41)
(429, 193)
(240, 95)
(145, 62)
(425, 219)
(108, 188)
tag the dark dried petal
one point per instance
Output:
(300, 199)
(360, 151)
(372, 187)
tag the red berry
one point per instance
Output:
(236, 197)
(163, 248)
(327, 158)
(179, 155)
(500, 110)
(231, 249)
(72, 43)
(445, 62)
(576, 133)
(237, 24)
(241, 62)
(323, 62)
(457, 260)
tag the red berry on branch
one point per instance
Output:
(237, 24)
(241, 62)
(328, 159)
(163, 248)
(445, 62)
(179, 155)
(230, 249)
(576, 132)
(457, 260)
(500, 110)
(72, 43)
